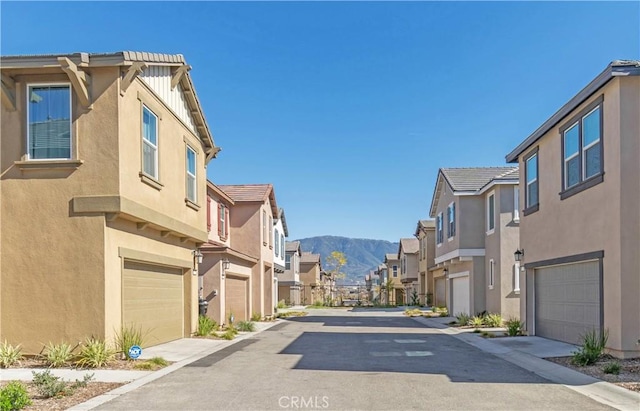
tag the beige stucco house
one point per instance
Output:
(408, 250)
(396, 295)
(580, 219)
(476, 226)
(426, 235)
(226, 273)
(103, 193)
(289, 282)
(251, 225)
(313, 288)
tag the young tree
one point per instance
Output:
(334, 263)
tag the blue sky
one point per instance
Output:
(349, 109)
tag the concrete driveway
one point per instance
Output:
(336, 360)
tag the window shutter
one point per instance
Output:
(220, 225)
(453, 226)
(226, 221)
(208, 213)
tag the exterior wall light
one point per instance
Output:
(226, 264)
(198, 255)
(518, 255)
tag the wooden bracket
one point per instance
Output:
(80, 80)
(177, 75)
(8, 92)
(132, 72)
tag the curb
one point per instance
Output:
(598, 390)
(135, 384)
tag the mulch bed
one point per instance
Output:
(628, 378)
(31, 362)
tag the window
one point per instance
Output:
(531, 179)
(395, 270)
(264, 227)
(49, 117)
(424, 247)
(582, 147)
(287, 262)
(281, 244)
(191, 175)
(451, 216)
(270, 232)
(439, 228)
(404, 264)
(491, 213)
(208, 213)
(223, 221)
(492, 267)
(277, 241)
(149, 143)
(516, 204)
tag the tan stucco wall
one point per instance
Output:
(603, 217)
(215, 219)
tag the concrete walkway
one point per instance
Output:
(528, 353)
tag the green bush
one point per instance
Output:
(281, 304)
(127, 338)
(476, 322)
(462, 319)
(493, 320)
(95, 353)
(593, 344)
(612, 368)
(151, 364)
(48, 385)
(9, 354)
(229, 334)
(57, 355)
(514, 327)
(206, 326)
(291, 314)
(318, 304)
(256, 317)
(14, 396)
(246, 326)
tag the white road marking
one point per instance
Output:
(409, 341)
(376, 341)
(385, 354)
(418, 353)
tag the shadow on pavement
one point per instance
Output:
(360, 321)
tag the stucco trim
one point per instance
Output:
(594, 255)
(460, 252)
(48, 164)
(230, 251)
(147, 179)
(137, 212)
(143, 256)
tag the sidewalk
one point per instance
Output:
(528, 353)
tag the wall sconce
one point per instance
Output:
(198, 255)
(518, 255)
(446, 271)
(226, 264)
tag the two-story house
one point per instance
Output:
(408, 250)
(394, 289)
(280, 233)
(313, 288)
(580, 219)
(289, 281)
(103, 189)
(476, 225)
(383, 275)
(251, 223)
(426, 235)
(226, 274)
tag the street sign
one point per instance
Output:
(135, 351)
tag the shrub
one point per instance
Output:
(127, 338)
(462, 319)
(48, 385)
(593, 344)
(246, 326)
(256, 317)
(514, 327)
(612, 368)
(281, 304)
(14, 396)
(95, 353)
(9, 354)
(151, 364)
(493, 320)
(476, 322)
(415, 299)
(412, 312)
(57, 355)
(291, 314)
(206, 326)
(318, 304)
(229, 334)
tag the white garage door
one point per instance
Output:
(153, 301)
(460, 286)
(567, 301)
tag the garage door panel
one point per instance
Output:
(236, 298)
(567, 301)
(153, 301)
(460, 295)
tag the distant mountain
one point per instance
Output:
(362, 255)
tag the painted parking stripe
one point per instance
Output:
(418, 353)
(377, 341)
(409, 341)
(385, 354)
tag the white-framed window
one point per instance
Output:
(395, 270)
(281, 244)
(287, 262)
(222, 221)
(264, 227)
(270, 231)
(516, 204)
(451, 220)
(491, 212)
(277, 242)
(192, 192)
(439, 229)
(49, 121)
(531, 179)
(149, 143)
(492, 273)
(582, 148)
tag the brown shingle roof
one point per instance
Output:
(474, 178)
(251, 193)
(409, 245)
(310, 258)
(292, 245)
(391, 256)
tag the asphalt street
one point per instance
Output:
(339, 360)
